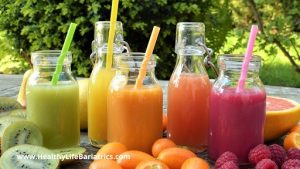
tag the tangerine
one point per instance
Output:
(174, 157)
(132, 158)
(195, 163)
(152, 164)
(111, 150)
(104, 164)
(161, 144)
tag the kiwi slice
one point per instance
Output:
(6, 121)
(8, 104)
(18, 113)
(28, 157)
(21, 132)
(69, 154)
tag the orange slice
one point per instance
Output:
(292, 140)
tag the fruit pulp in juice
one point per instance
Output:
(135, 116)
(55, 110)
(97, 105)
(236, 122)
(188, 103)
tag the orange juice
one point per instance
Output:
(135, 116)
(97, 105)
(188, 103)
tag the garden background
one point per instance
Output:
(31, 25)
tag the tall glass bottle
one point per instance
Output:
(99, 81)
(236, 117)
(189, 88)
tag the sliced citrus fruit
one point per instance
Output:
(292, 140)
(281, 115)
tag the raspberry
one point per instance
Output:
(266, 164)
(229, 165)
(226, 157)
(294, 153)
(258, 153)
(278, 154)
(291, 164)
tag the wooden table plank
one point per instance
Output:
(10, 84)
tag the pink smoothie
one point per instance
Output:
(236, 122)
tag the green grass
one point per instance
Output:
(279, 74)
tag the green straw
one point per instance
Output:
(63, 53)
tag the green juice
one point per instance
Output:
(55, 110)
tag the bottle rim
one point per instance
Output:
(191, 24)
(107, 23)
(49, 57)
(235, 62)
(239, 57)
(133, 60)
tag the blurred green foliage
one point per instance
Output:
(42, 24)
(31, 25)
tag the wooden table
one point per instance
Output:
(10, 84)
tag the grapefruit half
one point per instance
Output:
(281, 115)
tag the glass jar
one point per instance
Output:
(236, 118)
(53, 108)
(189, 89)
(134, 114)
(99, 81)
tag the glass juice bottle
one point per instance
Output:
(53, 108)
(99, 81)
(236, 117)
(189, 89)
(134, 113)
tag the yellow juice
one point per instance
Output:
(97, 105)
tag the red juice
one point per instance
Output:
(188, 101)
(236, 122)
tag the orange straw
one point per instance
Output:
(148, 54)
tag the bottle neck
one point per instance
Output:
(190, 64)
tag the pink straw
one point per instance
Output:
(247, 58)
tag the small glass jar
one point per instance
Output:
(99, 81)
(134, 114)
(53, 108)
(189, 89)
(236, 117)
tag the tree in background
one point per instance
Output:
(279, 24)
(34, 25)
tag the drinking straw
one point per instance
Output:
(63, 53)
(247, 58)
(112, 30)
(147, 57)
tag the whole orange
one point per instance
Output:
(161, 144)
(152, 164)
(130, 159)
(195, 163)
(174, 157)
(104, 164)
(111, 150)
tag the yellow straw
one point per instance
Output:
(112, 30)
(148, 54)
